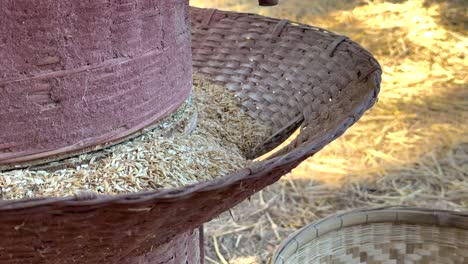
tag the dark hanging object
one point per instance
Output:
(268, 2)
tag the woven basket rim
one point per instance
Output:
(364, 216)
(257, 170)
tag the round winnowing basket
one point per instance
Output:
(289, 75)
(380, 235)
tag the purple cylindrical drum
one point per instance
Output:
(75, 75)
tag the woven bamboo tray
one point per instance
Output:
(380, 235)
(287, 74)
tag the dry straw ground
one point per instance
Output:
(411, 148)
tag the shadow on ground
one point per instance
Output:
(453, 14)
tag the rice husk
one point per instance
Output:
(216, 148)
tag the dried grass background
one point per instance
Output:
(411, 148)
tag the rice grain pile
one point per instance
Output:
(216, 148)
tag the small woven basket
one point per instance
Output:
(387, 235)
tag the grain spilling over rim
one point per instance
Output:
(224, 134)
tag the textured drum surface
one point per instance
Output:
(77, 74)
(184, 248)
